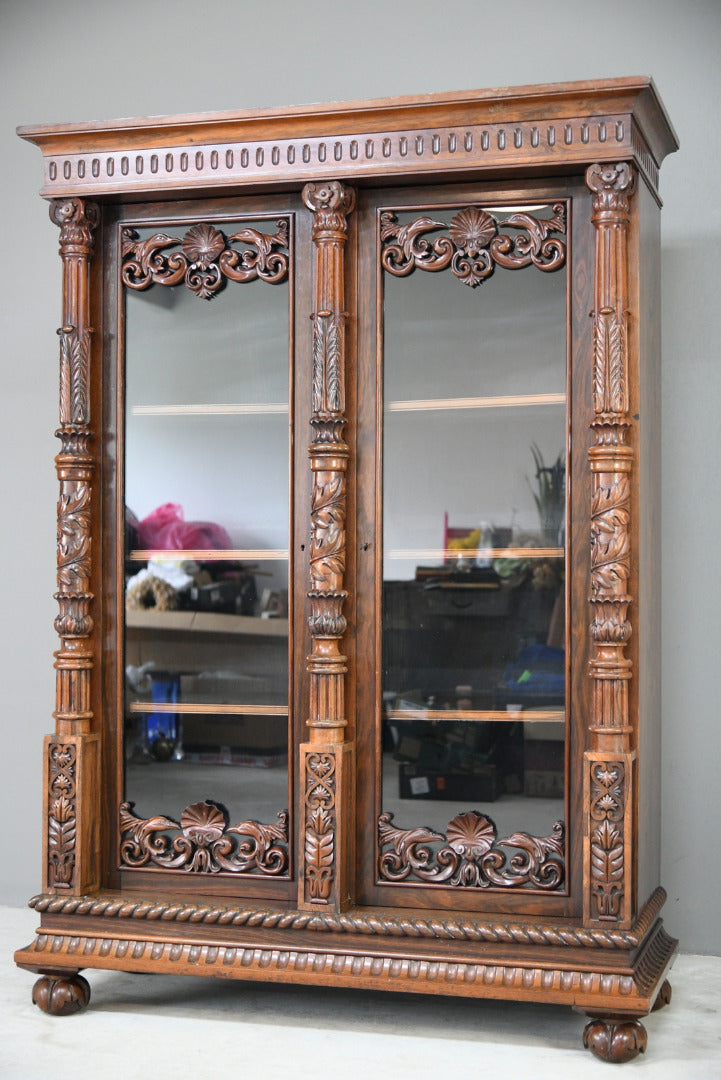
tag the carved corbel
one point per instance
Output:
(609, 763)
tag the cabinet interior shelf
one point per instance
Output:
(271, 408)
(205, 622)
(201, 708)
(472, 715)
(503, 401)
(476, 553)
(211, 555)
(261, 408)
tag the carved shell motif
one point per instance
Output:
(472, 230)
(203, 822)
(471, 834)
(202, 245)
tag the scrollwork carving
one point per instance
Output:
(206, 259)
(207, 843)
(62, 814)
(474, 246)
(469, 855)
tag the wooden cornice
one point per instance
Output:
(562, 126)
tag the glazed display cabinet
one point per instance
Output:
(358, 534)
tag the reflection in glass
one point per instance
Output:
(207, 539)
(474, 500)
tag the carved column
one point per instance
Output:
(71, 755)
(326, 759)
(610, 761)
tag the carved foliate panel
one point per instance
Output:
(608, 785)
(469, 854)
(474, 246)
(320, 825)
(62, 814)
(607, 807)
(207, 259)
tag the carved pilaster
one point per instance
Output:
(325, 759)
(610, 757)
(68, 824)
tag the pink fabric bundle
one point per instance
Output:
(165, 530)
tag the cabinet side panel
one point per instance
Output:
(648, 608)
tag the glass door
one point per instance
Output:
(206, 343)
(471, 454)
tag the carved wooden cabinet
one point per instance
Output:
(383, 712)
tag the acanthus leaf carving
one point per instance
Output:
(328, 382)
(77, 221)
(610, 379)
(206, 260)
(474, 246)
(470, 855)
(610, 544)
(611, 186)
(207, 843)
(74, 377)
(73, 535)
(327, 549)
(331, 202)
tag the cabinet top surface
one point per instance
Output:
(562, 124)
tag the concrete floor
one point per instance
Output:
(151, 1027)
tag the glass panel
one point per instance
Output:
(474, 500)
(207, 538)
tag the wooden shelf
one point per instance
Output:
(210, 554)
(504, 401)
(474, 715)
(254, 409)
(476, 553)
(202, 709)
(205, 622)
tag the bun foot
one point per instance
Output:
(61, 995)
(664, 996)
(615, 1040)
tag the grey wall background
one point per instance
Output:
(86, 60)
